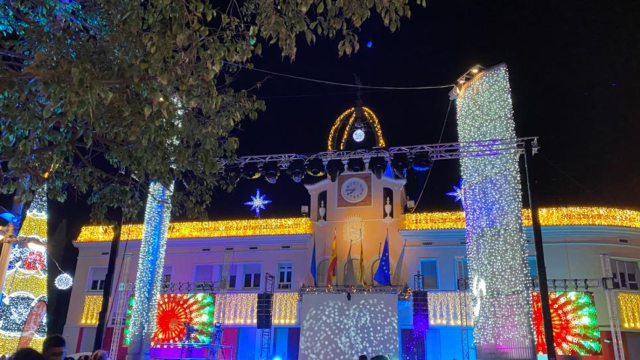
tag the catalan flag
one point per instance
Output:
(333, 262)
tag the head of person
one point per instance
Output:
(54, 347)
(380, 357)
(27, 354)
(100, 355)
(362, 357)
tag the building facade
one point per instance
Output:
(229, 261)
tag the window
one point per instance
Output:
(462, 273)
(166, 275)
(429, 271)
(203, 273)
(625, 274)
(96, 280)
(533, 269)
(252, 274)
(285, 271)
(231, 275)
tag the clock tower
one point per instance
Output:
(358, 208)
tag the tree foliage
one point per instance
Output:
(99, 97)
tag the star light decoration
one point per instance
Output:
(258, 202)
(493, 212)
(458, 193)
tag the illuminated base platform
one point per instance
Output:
(190, 350)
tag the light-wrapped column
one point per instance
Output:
(149, 276)
(496, 245)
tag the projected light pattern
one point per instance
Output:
(496, 245)
(574, 320)
(23, 318)
(335, 328)
(629, 305)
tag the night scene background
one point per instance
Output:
(574, 77)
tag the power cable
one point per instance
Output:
(340, 84)
(432, 165)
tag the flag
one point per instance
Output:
(383, 276)
(313, 268)
(361, 274)
(398, 273)
(333, 262)
(349, 276)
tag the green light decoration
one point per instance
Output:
(172, 312)
(574, 320)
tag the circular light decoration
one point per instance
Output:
(358, 135)
(64, 281)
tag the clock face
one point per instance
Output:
(354, 190)
(358, 135)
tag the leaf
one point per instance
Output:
(320, 7)
(47, 111)
(147, 111)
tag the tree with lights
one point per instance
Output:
(89, 91)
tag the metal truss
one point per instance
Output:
(265, 338)
(446, 151)
(570, 284)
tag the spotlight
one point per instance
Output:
(422, 162)
(377, 166)
(233, 175)
(399, 165)
(315, 167)
(296, 170)
(270, 171)
(335, 168)
(251, 171)
(355, 165)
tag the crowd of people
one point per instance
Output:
(53, 348)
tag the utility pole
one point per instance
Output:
(537, 240)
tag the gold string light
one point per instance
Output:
(629, 305)
(91, 310)
(285, 308)
(556, 216)
(368, 115)
(208, 229)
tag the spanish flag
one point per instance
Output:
(333, 262)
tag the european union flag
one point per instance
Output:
(313, 263)
(383, 274)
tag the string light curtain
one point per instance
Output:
(240, 309)
(499, 274)
(91, 310)
(629, 306)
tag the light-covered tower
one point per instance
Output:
(496, 245)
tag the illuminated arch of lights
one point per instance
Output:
(349, 117)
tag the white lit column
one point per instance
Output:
(149, 276)
(496, 245)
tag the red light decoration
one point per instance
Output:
(174, 310)
(34, 261)
(574, 321)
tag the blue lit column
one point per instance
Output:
(496, 245)
(149, 276)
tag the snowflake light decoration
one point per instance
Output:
(63, 281)
(258, 202)
(458, 192)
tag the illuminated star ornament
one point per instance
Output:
(258, 202)
(458, 192)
